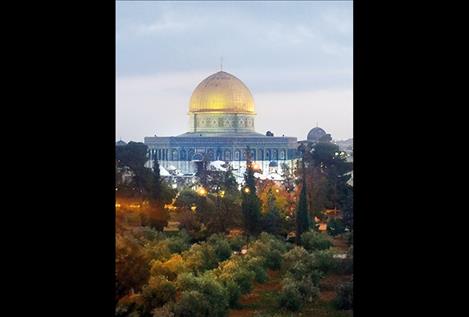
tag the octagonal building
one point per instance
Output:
(221, 127)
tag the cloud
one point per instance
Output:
(158, 104)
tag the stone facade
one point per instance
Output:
(221, 126)
(182, 151)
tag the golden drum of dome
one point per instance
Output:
(222, 93)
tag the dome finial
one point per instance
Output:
(221, 63)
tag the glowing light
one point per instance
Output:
(193, 208)
(118, 205)
(134, 206)
(202, 191)
(222, 193)
(277, 191)
(247, 190)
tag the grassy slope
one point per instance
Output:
(263, 299)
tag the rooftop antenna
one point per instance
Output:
(221, 63)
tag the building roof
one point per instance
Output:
(315, 134)
(222, 93)
(120, 143)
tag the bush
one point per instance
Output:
(270, 249)
(313, 241)
(157, 292)
(208, 290)
(325, 262)
(234, 293)
(293, 256)
(164, 311)
(200, 257)
(191, 304)
(236, 243)
(158, 250)
(244, 279)
(179, 242)
(344, 299)
(290, 296)
(221, 246)
(170, 268)
(256, 265)
(335, 227)
(131, 305)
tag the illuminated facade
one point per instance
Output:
(221, 127)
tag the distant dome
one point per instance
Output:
(222, 93)
(120, 143)
(315, 134)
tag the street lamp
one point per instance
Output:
(247, 190)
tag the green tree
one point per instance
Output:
(303, 219)
(132, 268)
(250, 204)
(272, 219)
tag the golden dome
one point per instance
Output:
(222, 93)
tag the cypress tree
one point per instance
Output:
(250, 205)
(303, 221)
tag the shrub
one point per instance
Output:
(270, 249)
(164, 311)
(221, 246)
(234, 293)
(256, 265)
(157, 292)
(244, 279)
(170, 268)
(236, 243)
(295, 255)
(158, 250)
(129, 305)
(191, 304)
(325, 262)
(313, 241)
(308, 289)
(335, 227)
(179, 242)
(290, 296)
(344, 299)
(208, 290)
(200, 257)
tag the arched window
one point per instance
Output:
(175, 155)
(282, 154)
(190, 154)
(227, 155)
(210, 155)
(237, 155)
(274, 155)
(260, 155)
(182, 155)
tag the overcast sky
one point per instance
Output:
(295, 57)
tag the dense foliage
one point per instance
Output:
(229, 240)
